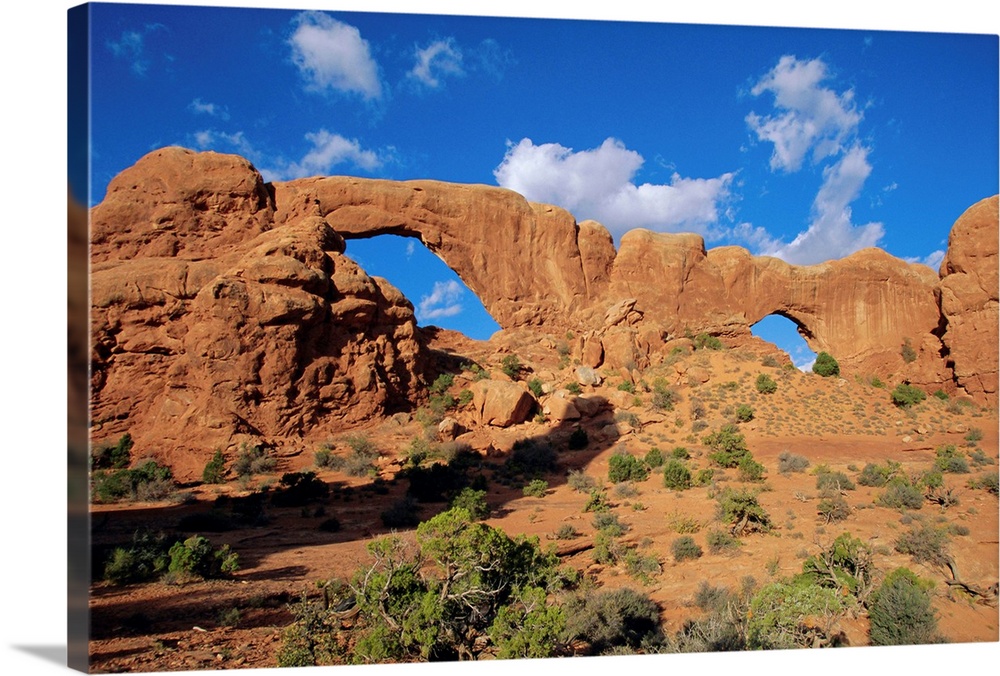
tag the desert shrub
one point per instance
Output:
(654, 458)
(324, 457)
(790, 462)
(744, 413)
(878, 475)
(253, 460)
(906, 395)
(442, 383)
(900, 611)
(791, 615)
(597, 502)
(535, 385)
(579, 481)
(720, 541)
(833, 508)
(626, 386)
(826, 365)
(511, 366)
(907, 352)
(473, 501)
(664, 397)
(845, 565)
(703, 477)
(770, 361)
(949, 459)
(765, 384)
(145, 558)
(623, 466)
(113, 456)
(616, 618)
(148, 481)
(566, 532)
(527, 626)
(979, 459)
(465, 397)
(531, 458)
(680, 453)
(704, 341)
(834, 481)
(988, 482)
(728, 446)
(940, 394)
(609, 523)
(925, 543)
(676, 476)
(742, 511)
(684, 548)
(574, 388)
(196, 558)
(536, 488)
(899, 493)
(578, 439)
(974, 436)
(438, 482)
(403, 513)
(750, 469)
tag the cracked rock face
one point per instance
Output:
(224, 310)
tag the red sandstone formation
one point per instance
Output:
(223, 309)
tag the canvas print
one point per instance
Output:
(419, 337)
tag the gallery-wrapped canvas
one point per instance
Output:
(426, 337)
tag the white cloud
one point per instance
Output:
(333, 55)
(439, 59)
(131, 47)
(200, 107)
(598, 184)
(328, 150)
(831, 234)
(931, 260)
(808, 116)
(443, 301)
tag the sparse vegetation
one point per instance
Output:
(623, 466)
(536, 488)
(741, 510)
(790, 462)
(253, 460)
(907, 352)
(215, 469)
(676, 476)
(906, 395)
(728, 446)
(900, 611)
(826, 366)
(684, 548)
(511, 366)
(765, 384)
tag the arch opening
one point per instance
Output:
(787, 335)
(439, 296)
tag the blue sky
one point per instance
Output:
(806, 144)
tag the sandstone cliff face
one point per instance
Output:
(215, 326)
(223, 308)
(969, 282)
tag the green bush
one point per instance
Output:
(940, 394)
(703, 341)
(728, 446)
(536, 488)
(899, 493)
(148, 481)
(744, 413)
(765, 384)
(117, 456)
(720, 541)
(619, 618)
(144, 559)
(664, 397)
(925, 543)
(535, 385)
(826, 365)
(626, 386)
(906, 395)
(704, 477)
(680, 453)
(623, 466)
(988, 482)
(609, 523)
(473, 501)
(834, 508)
(196, 558)
(654, 458)
(442, 383)
(684, 548)
(844, 565)
(253, 460)
(215, 470)
(900, 611)
(791, 615)
(974, 436)
(676, 476)
(579, 481)
(834, 481)
(742, 511)
(790, 462)
(511, 366)
(950, 459)
(907, 352)
(878, 475)
(750, 469)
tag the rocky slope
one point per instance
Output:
(223, 309)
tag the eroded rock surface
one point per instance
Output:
(223, 308)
